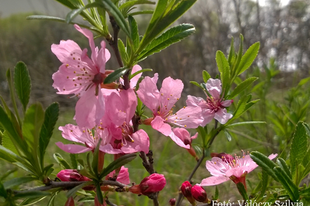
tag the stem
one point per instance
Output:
(114, 41)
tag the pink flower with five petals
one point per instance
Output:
(161, 103)
(214, 106)
(224, 169)
(82, 76)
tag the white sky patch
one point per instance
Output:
(266, 2)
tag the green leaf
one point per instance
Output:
(248, 58)
(245, 123)
(242, 191)
(205, 76)
(99, 194)
(61, 161)
(164, 15)
(228, 135)
(74, 163)
(171, 36)
(113, 11)
(238, 58)
(298, 146)
(33, 121)
(11, 131)
(3, 192)
(67, 3)
(7, 173)
(17, 181)
(31, 194)
(96, 158)
(221, 61)
(138, 72)
(50, 119)
(287, 183)
(73, 13)
(232, 55)
(125, 7)
(72, 192)
(265, 163)
(196, 84)
(122, 51)
(115, 75)
(22, 83)
(117, 164)
(241, 87)
(282, 164)
(134, 32)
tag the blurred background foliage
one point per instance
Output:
(282, 67)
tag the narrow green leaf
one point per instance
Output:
(228, 135)
(3, 192)
(138, 72)
(298, 146)
(125, 7)
(242, 191)
(74, 163)
(118, 163)
(113, 11)
(221, 61)
(287, 183)
(134, 32)
(164, 15)
(248, 58)
(33, 121)
(50, 119)
(67, 3)
(282, 164)
(232, 55)
(141, 12)
(245, 123)
(241, 87)
(22, 83)
(61, 161)
(73, 13)
(238, 58)
(99, 194)
(196, 84)
(72, 192)
(115, 75)
(17, 181)
(31, 194)
(171, 36)
(7, 173)
(264, 162)
(96, 158)
(205, 76)
(122, 51)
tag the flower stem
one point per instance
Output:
(114, 41)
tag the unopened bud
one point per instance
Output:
(70, 202)
(153, 183)
(199, 193)
(186, 191)
(71, 175)
(172, 202)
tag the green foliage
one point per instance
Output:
(22, 83)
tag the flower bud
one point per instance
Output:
(186, 191)
(71, 175)
(172, 202)
(153, 183)
(70, 202)
(199, 193)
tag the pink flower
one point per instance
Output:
(122, 177)
(182, 137)
(161, 103)
(71, 175)
(153, 183)
(223, 170)
(82, 76)
(117, 119)
(214, 106)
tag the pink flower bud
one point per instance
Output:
(186, 191)
(71, 175)
(199, 193)
(172, 202)
(70, 202)
(153, 183)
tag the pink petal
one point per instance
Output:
(214, 87)
(188, 117)
(170, 92)
(123, 176)
(195, 101)
(159, 125)
(141, 143)
(217, 167)
(72, 148)
(89, 35)
(213, 180)
(148, 93)
(134, 80)
(66, 50)
(178, 141)
(222, 116)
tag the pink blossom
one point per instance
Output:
(223, 170)
(161, 103)
(82, 76)
(214, 106)
(182, 137)
(122, 106)
(122, 177)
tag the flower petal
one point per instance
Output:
(159, 125)
(213, 180)
(73, 148)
